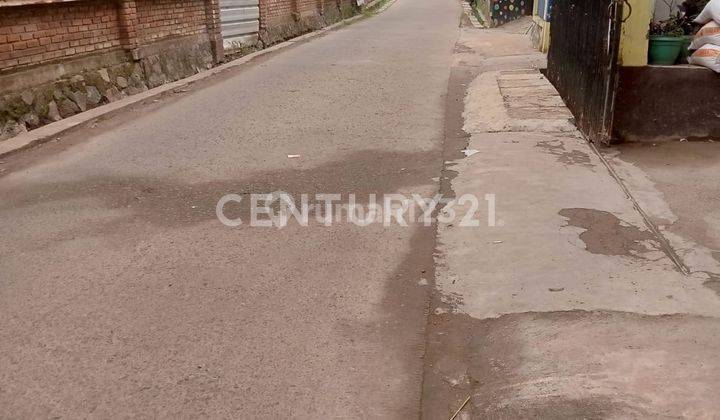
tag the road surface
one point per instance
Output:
(122, 295)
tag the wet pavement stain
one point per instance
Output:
(166, 203)
(557, 148)
(463, 49)
(714, 283)
(606, 234)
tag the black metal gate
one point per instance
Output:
(583, 61)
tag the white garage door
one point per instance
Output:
(239, 22)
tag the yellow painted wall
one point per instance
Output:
(540, 31)
(543, 29)
(634, 38)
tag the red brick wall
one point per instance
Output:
(38, 33)
(159, 19)
(274, 11)
(308, 6)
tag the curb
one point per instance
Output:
(47, 132)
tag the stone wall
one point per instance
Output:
(61, 58)
(40, 98)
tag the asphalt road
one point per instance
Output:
(122, 295)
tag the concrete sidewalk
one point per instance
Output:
(570, 307)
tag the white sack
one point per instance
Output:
(709, 34)
(707, 56)
(710, 12)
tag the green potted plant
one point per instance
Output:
(667, 37)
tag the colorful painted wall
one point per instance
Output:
(503, 11)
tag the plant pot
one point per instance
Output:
(685, 49)
(665, 50)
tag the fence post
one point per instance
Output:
(212, 18)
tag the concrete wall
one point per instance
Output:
(661, 103)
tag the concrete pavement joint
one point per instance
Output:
(669, 250)
(48, 132)
(562, 125)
